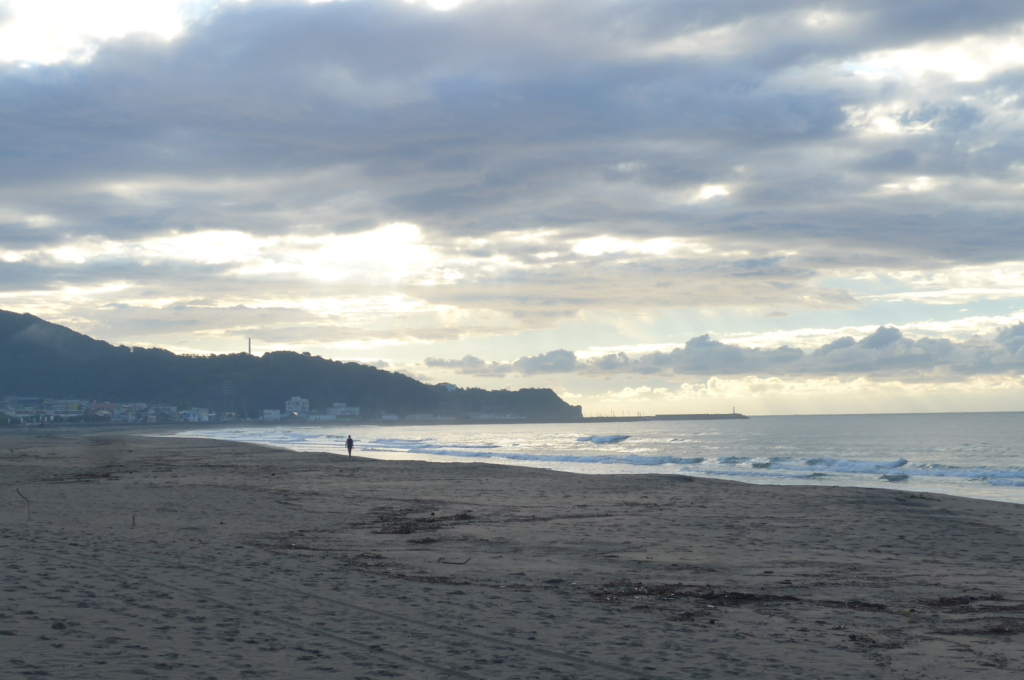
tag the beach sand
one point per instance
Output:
(184, 558)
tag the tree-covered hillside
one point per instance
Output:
(38, 358)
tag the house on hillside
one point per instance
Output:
(297, 406)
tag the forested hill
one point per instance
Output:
(42, 359)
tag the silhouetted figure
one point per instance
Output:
(349, 444)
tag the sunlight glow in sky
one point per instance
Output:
(646, 206)
(50, 31)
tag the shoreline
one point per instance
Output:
(301, 422)
(889, 473)
(75, 427)
(179, 557)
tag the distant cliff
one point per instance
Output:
(39, 358)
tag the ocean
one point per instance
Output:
(976, 455)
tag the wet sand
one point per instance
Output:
(182, 558)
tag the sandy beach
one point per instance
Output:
(184, 558)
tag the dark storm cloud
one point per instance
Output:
(572, 115)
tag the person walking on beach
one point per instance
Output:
(349, 444)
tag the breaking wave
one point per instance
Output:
(963, 454)
(611, 439)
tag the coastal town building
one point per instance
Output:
(343, 411)
(161, 413)
(297, 406)
(196, 415)
(129, 413)
(68, 406)
(35, 409)
(45, 410)
(15, 410)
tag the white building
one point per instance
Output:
(271, 415)
(342, 411)
(297, 405)
(196, 415)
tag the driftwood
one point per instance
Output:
(442, 560)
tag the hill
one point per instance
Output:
(39, 358)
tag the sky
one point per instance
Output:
(649, 206)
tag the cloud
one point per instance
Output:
(481, 122)
(557, 361)
(470, 365)
(373, 174)
(635, 394)
(702, 355)
(883, 353)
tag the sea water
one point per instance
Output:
(977, 455)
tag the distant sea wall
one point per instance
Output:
(673, 416)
